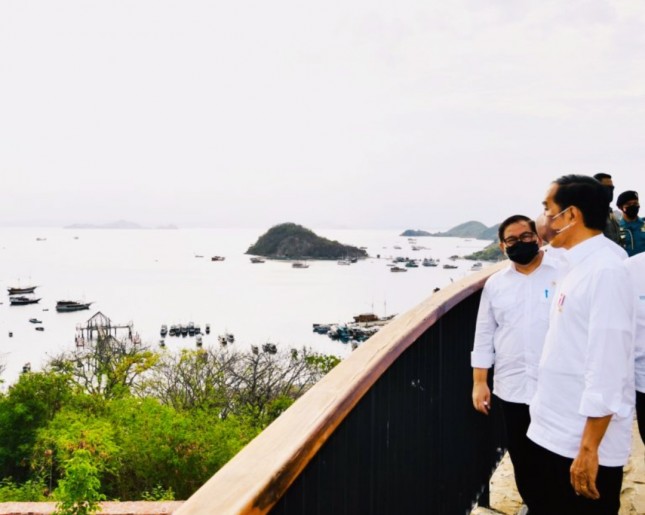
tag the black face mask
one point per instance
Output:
(610, 192)
(523, 253)
(632, 211)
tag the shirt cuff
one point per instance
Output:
(596, 405)
(479, 359)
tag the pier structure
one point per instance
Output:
(100, 327)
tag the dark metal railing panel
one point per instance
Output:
(413, 443)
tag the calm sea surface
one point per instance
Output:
(154, 277)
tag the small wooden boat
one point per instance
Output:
(67, 306)
(21, 291)
(21, 300)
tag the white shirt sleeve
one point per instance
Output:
(610, 351)
(483, 354)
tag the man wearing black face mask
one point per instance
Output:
(612, 229)
(632, 228)
(511, 325)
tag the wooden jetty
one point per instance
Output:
(99, 327)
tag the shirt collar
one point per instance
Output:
(582, 250)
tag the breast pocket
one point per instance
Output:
(507, 309)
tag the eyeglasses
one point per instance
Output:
(525, 237)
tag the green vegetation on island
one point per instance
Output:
(293, 241)
(415, 233)
(489, 253)
(470, 229)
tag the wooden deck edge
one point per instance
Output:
(255, 479)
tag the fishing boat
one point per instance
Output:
(21, 300)
(67, 306)
(411, 264)
(449, 266)
(218, 258)
(429, 262)
(35, 321)
(398, 269)
(256, 259)
(299, 264)
(21, 291)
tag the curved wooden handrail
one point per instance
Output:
(255, 479)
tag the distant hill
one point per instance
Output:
(471, 229)
(119, 224)
(489, 253)
(293, 241)
(415, 233)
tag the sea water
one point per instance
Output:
(154, 277)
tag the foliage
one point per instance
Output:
(294, 241)
(158, 493)
(78, 493)
(491, 253)
(154, 432)
(109, 366)
(31, 490)
(29, 405)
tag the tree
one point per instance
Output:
(108, 366)
(78, 493)
(29, 405)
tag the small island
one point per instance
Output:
(415, 233)
(293, 241)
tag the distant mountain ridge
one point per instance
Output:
(119, 224)
(293, 241)
(472, 229)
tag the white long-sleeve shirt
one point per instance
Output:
(636, 267)
(511, 324)
(587, 365)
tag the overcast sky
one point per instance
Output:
(348, 113)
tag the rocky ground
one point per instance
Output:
(505, 499)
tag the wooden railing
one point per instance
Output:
(390, 430)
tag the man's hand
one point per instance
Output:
(583, 472)
(481, 397)
(584, 469)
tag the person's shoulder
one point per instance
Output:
(499, 276)
(635, 262)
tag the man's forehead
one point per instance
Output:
(517, 228)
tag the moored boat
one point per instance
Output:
(21, 300)
(299, 264)
(256, 259)
(20, 291)
(218, 258)
(67, 306)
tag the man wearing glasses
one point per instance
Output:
(511, 325)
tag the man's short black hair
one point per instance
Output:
(585, 193)
(600, 176)
(513, 220)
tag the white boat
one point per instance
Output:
(344, 262)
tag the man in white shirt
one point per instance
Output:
(636, 267)
(511, 325)
(582, 411)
